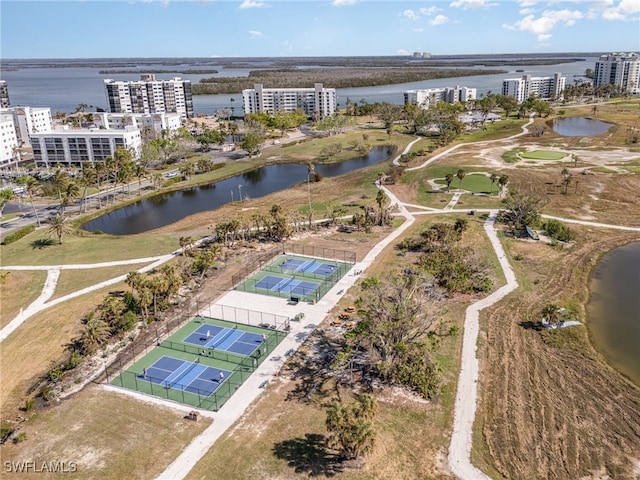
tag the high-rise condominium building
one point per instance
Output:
(545, 88)
(316, 101)
(619, 69)
(4, 94)
(149, 95)
(425, 97)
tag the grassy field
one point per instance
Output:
(73, 280)
(32, 349)
(19, 289)
(543, 155)
(108, 435)
(85, 248)
(473, 183)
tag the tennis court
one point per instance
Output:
(287, 285)
(227, 339)
(310, 266)
(187, 366)
(192, 377)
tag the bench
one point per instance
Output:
(289, 352)
(263, 384)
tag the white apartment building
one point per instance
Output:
(149, 95)
(8, 139)
(157, 122)
(545, 88)
(75, 147)
(4, 94)
(316, 101)
(619, 69)
(23, 121)
(426, 97)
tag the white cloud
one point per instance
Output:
(255, 35)
(472, 4)
(409, 15)
(548, 20)
(439, 20)
(402, 51)
(429, 11)
(342, 3)
(252, 4)
(628, 10)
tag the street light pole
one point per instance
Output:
(240, 191)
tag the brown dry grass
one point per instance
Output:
(550, 407)
(19, 289)
(108, 435)
(38, 343)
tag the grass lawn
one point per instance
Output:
(85, 248)
(19, 289)
(72, 280)
(543, 155)
(108, 434)
(472, 183)
(31, 349)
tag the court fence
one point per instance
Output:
(117, 374)
(345, 260)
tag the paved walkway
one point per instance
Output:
(466, 395)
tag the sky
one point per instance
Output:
(271, 28)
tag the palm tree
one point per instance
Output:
(89, 178)
(71, 193)
(33, 186)
(140, 172)
(187, 170)
(448, 178)
(460, 174)
(185, 244)
(94, 334)
(310, 171)
(60, 181)
(59, 227)
(551, 313)
(6, 195)
(135, 280)
(494, 179)
(502, 182)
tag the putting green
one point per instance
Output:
(543, 155)
(472, 183)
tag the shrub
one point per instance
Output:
(558, 231)
(29, 403)
(18, 234)
(21, 437)
(6, 429)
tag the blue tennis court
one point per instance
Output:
(287, 285)
(228, 339)
(191, 377)
(309, 266)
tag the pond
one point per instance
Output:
(614, 309)
(580, 127)
(167, 208)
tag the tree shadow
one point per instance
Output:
(311, 368)
(42, 243)
(531, 325)
(309, 455)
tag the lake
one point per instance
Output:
(167, 208)
(614, 309)
(579, 127)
